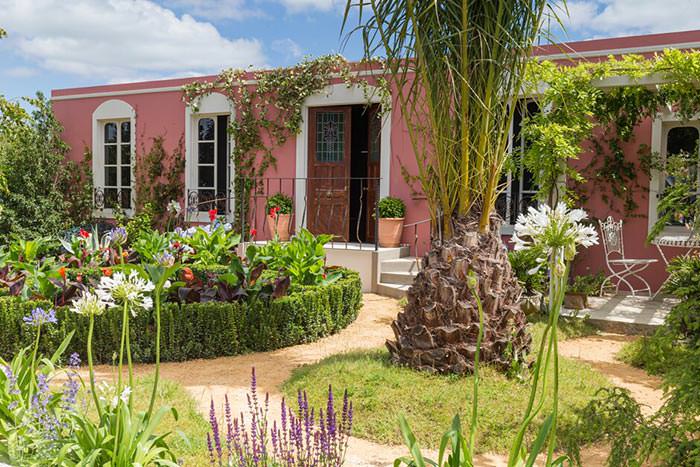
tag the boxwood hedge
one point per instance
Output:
(196, 330)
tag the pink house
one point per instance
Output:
(343, 159)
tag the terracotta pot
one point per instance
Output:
(575, 301)
(280, 226)
(390, 230)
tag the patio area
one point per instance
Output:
(625, 314)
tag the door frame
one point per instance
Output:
(338, 95)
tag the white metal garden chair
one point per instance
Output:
(621, 268)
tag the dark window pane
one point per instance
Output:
(110, 197)
(126, 176)
(126, 132)
(206, 176)
(110, 132)
(206, 153)
(110, 154)
(126, 154)
(110, 176)
(126, 198)
(682, 139)
(206, 129)
(204, 197)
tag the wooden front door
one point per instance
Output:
(373, 168)
(328, 185)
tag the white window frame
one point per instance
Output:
(210, 106)
(662, 124)
(117, 111)
(508, 227)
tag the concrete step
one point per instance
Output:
(392, 290)
(407, 264)
(399, 278)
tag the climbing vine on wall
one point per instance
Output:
(268, 106)
(582, 115)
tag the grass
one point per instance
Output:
(655, 354)
(380, 391)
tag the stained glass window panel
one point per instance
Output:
(330, 136)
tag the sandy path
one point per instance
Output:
(212, 379)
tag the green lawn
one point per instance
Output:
(380, 391)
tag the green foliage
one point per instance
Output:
(655, 354)
(198, 330)
(684, 283)
(140, 224)
(303, 258)
(579, 112)
(531, 274)
(212, 245)
(588, 284)
(158, 176)
(281, 201)
(34, 432)
(390, 207)
(38, 191)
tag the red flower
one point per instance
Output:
(187, 274)
(107, 272)
(84, 233)
(274, 211)
(253, 232)
(62, 272)
(79, 278)
(212, 215)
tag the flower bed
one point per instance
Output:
(198, 330)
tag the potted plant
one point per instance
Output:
(279, 213)
(582, 287)
(392, 212)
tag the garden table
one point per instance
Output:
(688, 242)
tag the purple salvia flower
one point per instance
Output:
(229, 426)
(215, 429)
(211, 449)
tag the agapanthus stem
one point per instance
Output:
(125, 318)
(34, 354)
(91, 369)
(157, 372)
(128, 360)
(475, 400)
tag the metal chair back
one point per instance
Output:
(611, 231)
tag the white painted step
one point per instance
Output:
(392, 290)
(400, 278)
(408, 264)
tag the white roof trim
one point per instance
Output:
(129, 92)
(621, 51)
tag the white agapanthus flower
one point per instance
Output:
(119, 289)
(547, 230)
(88, 304)
(174, 207)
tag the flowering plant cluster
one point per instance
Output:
(303, 436)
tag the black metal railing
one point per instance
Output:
(345, 207)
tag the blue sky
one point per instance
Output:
(68, 43)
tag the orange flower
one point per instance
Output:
(107, 272)
(187, 274)
(62, 272)
(79, 278)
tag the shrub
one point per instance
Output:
(198, 330)
(390, 207)
(280, 201)
(523, 263)
(684, 283)
(588, 284)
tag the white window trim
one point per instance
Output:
(111, 110)
(663, 122)
(334, 95)
(211, 105)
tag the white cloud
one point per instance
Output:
(299, 6)
(625, 17)
(288, 48)
(20, 72)
(119, 40)
(216, 10)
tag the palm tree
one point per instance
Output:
(457, 66)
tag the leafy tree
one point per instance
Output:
(40, 191)
(456, 67)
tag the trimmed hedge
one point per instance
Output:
(195, 330)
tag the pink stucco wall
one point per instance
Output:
(163, 113)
